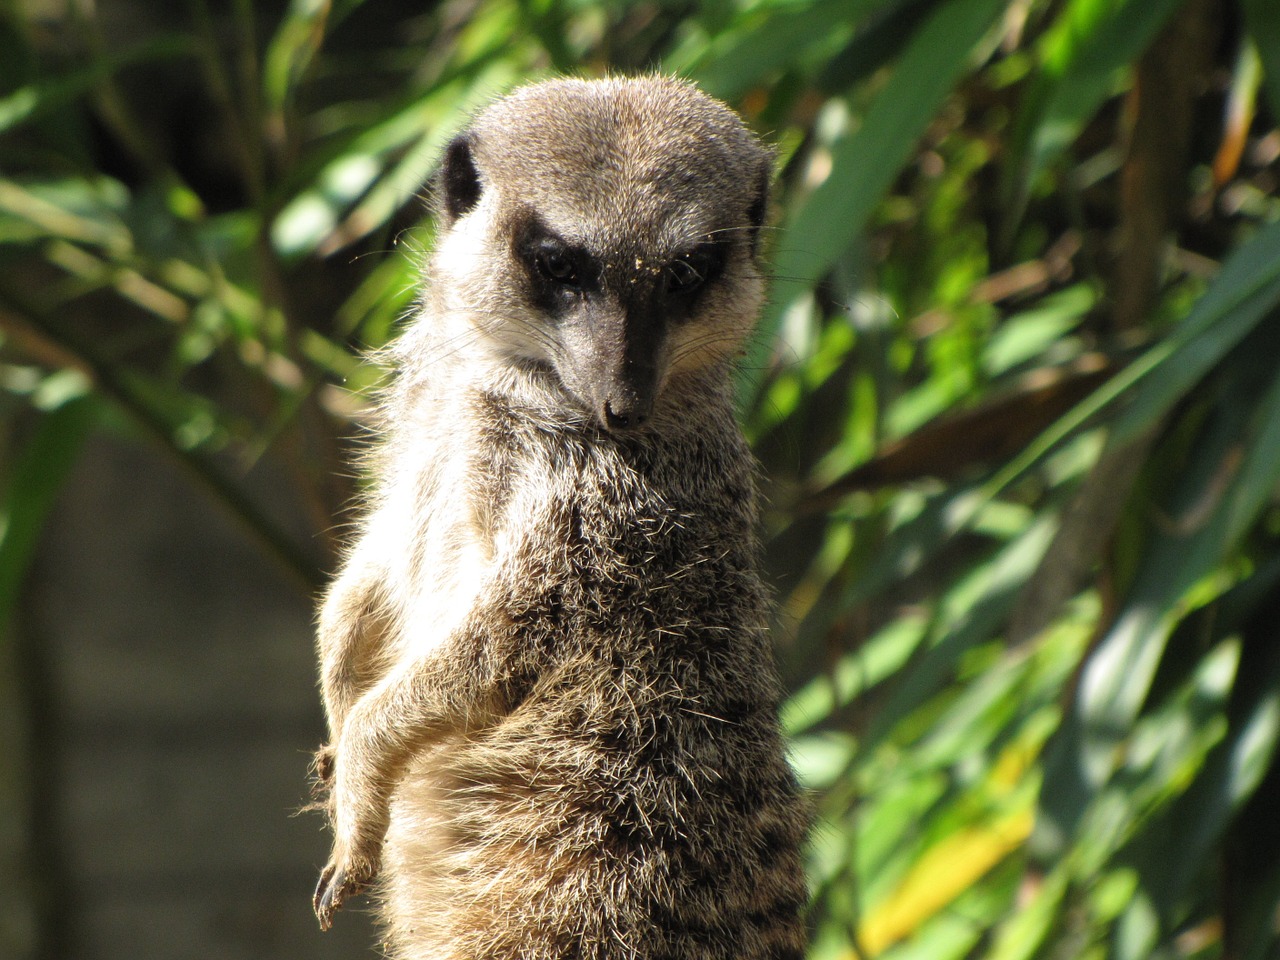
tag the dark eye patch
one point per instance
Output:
(557, 263)
(559, 272)
(688, 273)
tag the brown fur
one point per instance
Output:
(550, 689)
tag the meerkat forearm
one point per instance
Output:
(350, 636)
(412, 708)
(417, 704)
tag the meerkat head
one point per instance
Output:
(605, 232)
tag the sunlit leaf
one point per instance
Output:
(865, 163)
(295, 43)
(941, 874)
(853, 674)
(1263, 20)
(1027, 335)
(971, 613)
(1089, 44)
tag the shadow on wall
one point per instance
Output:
(181, 708)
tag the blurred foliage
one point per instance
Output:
(1017, 391)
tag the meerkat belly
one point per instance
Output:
(610, 815)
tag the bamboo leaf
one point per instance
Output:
(1085, 50)
(35, 477)
(1262, 17)
(865, 163)
(740, 58)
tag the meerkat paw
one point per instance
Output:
(359, 826)
(340, 880)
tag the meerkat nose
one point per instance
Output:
(620, 415)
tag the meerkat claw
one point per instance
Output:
(322, 900)
(331, 892)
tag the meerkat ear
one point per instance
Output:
(459, 183)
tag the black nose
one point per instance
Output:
(625, 416)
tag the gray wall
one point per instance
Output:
(174, 727)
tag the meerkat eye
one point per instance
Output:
(687, 273)
(558, 267)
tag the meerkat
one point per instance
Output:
(545, 663)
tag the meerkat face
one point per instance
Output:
(606, 232)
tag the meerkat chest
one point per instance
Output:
(440, 538)
(462, 560)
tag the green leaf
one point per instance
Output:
(904, 552)
(1240, 297)
(45, 96)
(1022, 936)
(403, 181)
(866, 162)
(1083, 53)
(744, 55)
(359, 190)
(291, 50)
(35, 477)
(1262, 18)
(1026, 336)
(970, 613)
(853, 675)
(1233, 472)
(876, 43)
(1175, 848)
(81, 210)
